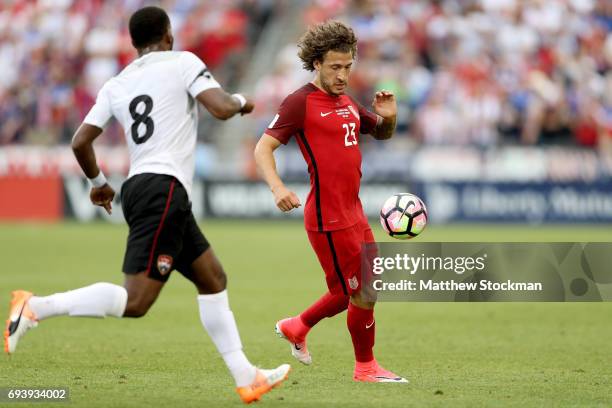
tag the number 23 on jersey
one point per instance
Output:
(349, 136)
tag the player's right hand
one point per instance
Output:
(103, 197)
(286, 200)
(248, 106)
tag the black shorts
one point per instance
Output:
(163, 232)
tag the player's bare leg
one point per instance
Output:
(210, 280)
(362, 326)
(295, 329)
(142, 292)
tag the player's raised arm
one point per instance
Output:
(102, 193)
(222, 105)
(385, 107)
(201, 84)
(285, 199)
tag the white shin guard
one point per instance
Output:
(218, 320)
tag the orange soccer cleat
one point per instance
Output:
(265, 380)
(21, 319)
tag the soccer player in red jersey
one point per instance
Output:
(326, 123)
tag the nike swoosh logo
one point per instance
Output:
(14, 324)
(370, 325)
(325, 114)
(382, 377)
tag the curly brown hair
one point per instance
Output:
(331, 35)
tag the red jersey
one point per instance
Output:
(327, 129)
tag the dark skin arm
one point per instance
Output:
(385, 106)
(222, 105)
(82, 147)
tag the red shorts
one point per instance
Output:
(340, 255)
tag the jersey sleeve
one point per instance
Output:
(101, 112)
(368, 120)
(195, 75)
(290, 118)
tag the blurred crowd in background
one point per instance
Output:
(479, 72)
(465, 72)
(56, 54)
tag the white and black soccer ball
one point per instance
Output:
(403, 216)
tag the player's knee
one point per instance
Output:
(358, 300)
(214, 280)
(220, 278)
(135, 311)
(136, 308)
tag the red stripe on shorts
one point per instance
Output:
(159, 228)
(336, 264)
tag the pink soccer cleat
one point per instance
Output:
(372, 372)
(298, 346)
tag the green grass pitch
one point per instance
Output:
(459, 355)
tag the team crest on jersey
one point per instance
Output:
(353, 283)
(164, 264)
(353, 111)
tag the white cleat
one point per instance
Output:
(21, 319)
(298, 350)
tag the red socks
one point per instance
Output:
(327, 306)
(361, 324)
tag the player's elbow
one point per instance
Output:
(257, 153)
(261, 151)
(79, 142)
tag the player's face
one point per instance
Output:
(333, 72)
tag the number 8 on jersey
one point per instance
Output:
(141, 118)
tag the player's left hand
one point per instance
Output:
(103, 197)
(384, 104)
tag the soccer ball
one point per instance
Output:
(403, 216)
